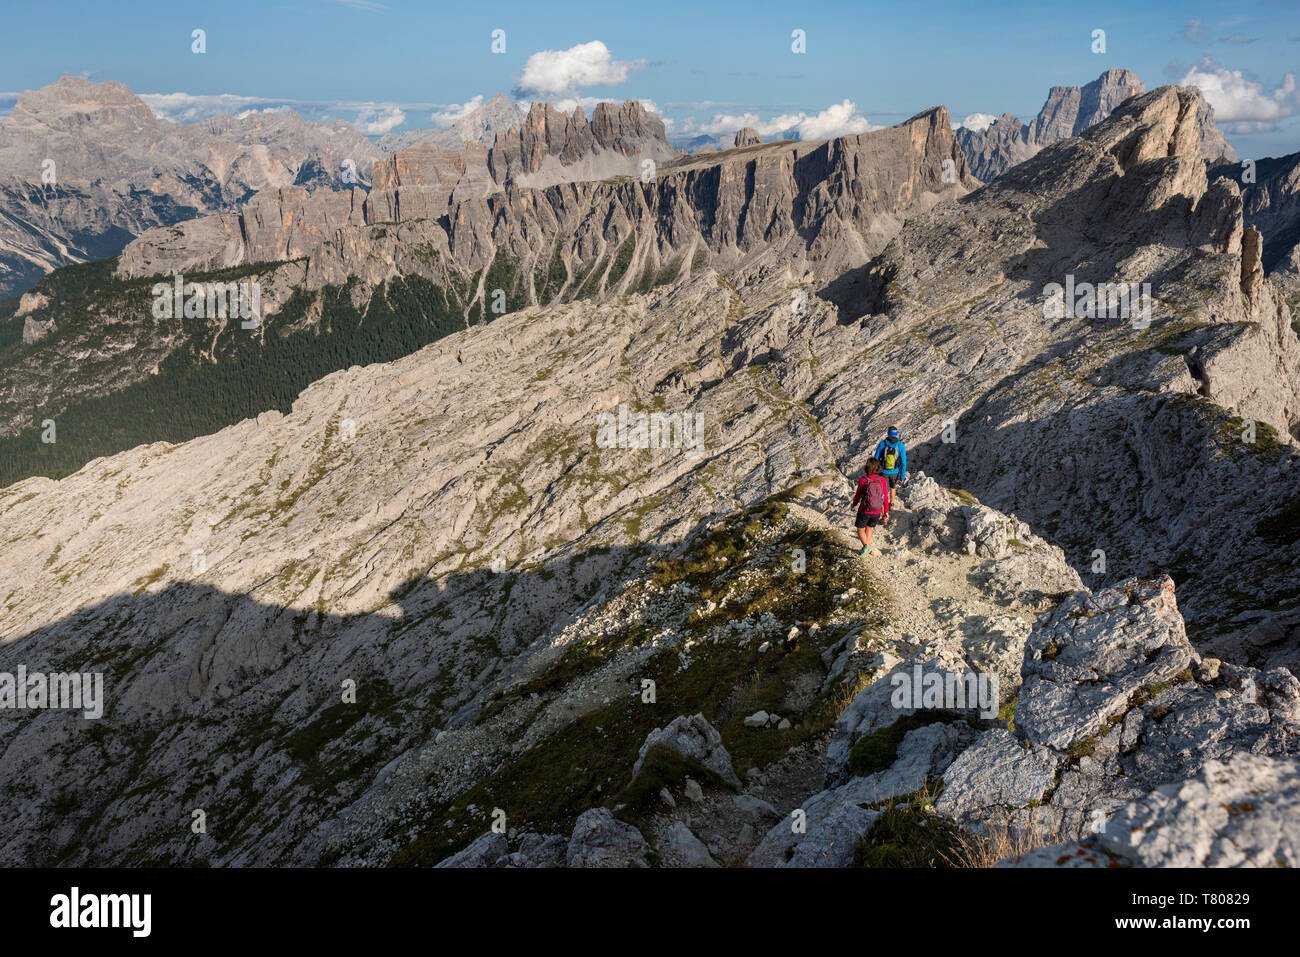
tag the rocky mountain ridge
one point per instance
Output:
(1068, 111)
(797, 207)
(459, 534)
(86, 166)
(825, 204)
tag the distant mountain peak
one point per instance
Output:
(480, 125)
(1068, 111)
(116, 170)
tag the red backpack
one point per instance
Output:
(876, 495)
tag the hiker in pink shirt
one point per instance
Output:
(872, 500)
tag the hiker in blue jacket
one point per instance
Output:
(892, 455)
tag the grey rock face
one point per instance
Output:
(691, 737)
(996, 772)
(549, 144)
(826, 836)
(1004, 143)
(1242, 812)
(686, 848)
(1070, 110)
(1081, 669)
(599, 840)
(875, 707)
(540, 850)
(1271, 204)
(1109, 708)
(494, 850)
(924, 754)
(747, 137)
(485, 851)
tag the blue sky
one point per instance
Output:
(393, 64)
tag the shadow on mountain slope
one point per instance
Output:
(222, 702)
(1158, 482)
(233, 706)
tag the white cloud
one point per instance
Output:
(1242, 105)
(977, 122)
(723, 123)
(268, 109)
(445, 118)
(379, 119)
(560, 73)
(1192, 32)
(191, 107)
(839, 119)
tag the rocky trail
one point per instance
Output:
(942, 786)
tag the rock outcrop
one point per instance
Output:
(551, 147)
(693, 738)
(598, 840)
(1114, 703)
(1242, 812)
(1270, 199)
(1068, 111)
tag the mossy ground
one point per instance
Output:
(907, 835)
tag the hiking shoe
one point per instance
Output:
(866, 549)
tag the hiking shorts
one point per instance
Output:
(866, 520)
(893, 480)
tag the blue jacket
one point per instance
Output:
(901, 470)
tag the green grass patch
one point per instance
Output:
(906, 835)
(662, 768)
(622, 259)
(878, 750)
